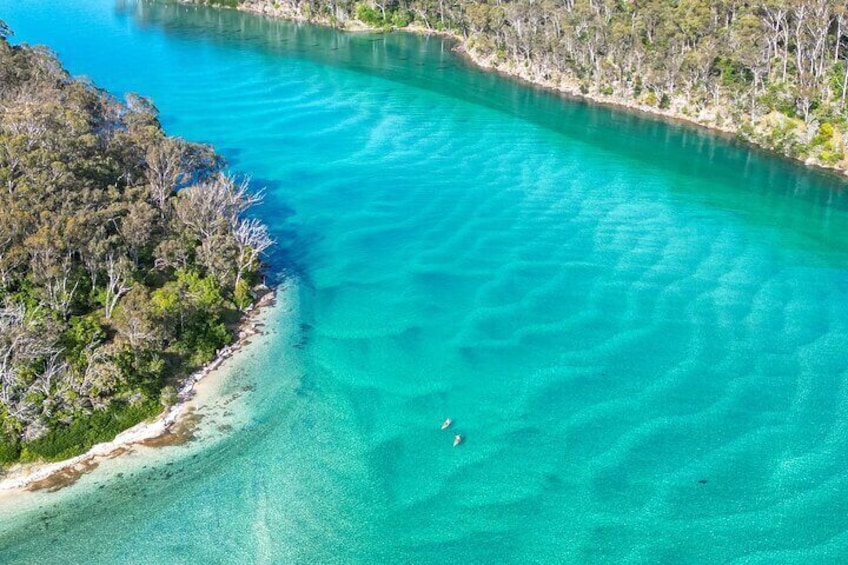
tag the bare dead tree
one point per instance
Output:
(101, 375)
(60, 288)
(12, 340)
(21, 344)
(36, 429)
(9, 262)
(47, 379)
(138, 332)
(165, 169)
(213, 206)
(118, 282)
(134, 322)
(218, 255)
(252, 240)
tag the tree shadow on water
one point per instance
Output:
(295, 246)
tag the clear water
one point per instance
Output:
(640, 328)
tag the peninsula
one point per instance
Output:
(127, 260)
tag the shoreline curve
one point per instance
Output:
(33, 477)
(564, 86)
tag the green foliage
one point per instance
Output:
(168, 301)
(830, 157)
(241, 295)
(139, 369)
(394, 16)
(10, 450)
(189, 300)
(777, 97)
(732, 63)
(168, 397)
(650, 99)
(85, 431)
(194, 305)
(837, 76)
(401, 18)
(119, 256)
(199, 342)
(824, 134)
(368, 15)
(84, 332)
(204, 292)
(784, 138)
(732, 73)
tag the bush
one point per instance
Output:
(824, 134)
(778, 97)
(637, 87)
(10, 450)
(401, 19)
(650, 99)
(103, 425)
(733, 74)
(829, 157)
(168, 397)
(368, 15)
(241, 295)
(83, 331)
(200, 341)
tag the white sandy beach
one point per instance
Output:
(36, 476)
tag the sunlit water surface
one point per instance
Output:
(639, 328)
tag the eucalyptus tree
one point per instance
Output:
(122, 253)
(777, 70)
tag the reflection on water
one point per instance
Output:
(638, 327)
(761, 188)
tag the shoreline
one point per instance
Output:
(171, 427)
(563, 85)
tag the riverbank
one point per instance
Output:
(172, 427)
(717, 119)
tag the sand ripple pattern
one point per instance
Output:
(640, 330)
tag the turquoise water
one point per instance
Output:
(640, 328)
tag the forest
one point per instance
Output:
(126, 259)
(775, 72)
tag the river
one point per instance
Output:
(638, 327)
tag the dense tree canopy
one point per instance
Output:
(776, 71)
(125, 257)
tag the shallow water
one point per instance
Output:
(640, 328)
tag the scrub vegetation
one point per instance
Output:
(126, 258)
